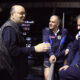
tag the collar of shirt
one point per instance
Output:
(55, 33)
(78, 35)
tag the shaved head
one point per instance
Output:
(17, 14)
(57, 17)
(15, 7)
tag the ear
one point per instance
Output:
(12, 14)
(58, 24)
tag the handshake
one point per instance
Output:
(42, 47)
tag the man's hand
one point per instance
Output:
(42, 47)
(66, 51)
(64, 67)
(52, 59)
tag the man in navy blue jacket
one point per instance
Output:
(72, 72)
(54, 35)
(15, 43)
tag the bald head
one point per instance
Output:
(56, 17)
(15, 7)
(54, 23)
(17, 14)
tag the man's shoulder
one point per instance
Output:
(64, 30)
(46, 29)
(7, 23)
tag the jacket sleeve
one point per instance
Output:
(73, 51)
(45, 38)
(45, 35)
(70, 40)
(10, 41)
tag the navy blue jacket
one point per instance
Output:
(75, 48)
(49, 36)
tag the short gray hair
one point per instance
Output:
(59, 20)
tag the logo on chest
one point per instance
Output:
(59, 37)
(53, 37)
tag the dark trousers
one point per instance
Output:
(56, 69)
(72, 73)
(4, 75)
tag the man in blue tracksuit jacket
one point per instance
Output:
(54, 35)
(72, 72)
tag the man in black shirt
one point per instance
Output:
(14, 42)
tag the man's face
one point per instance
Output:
(78, 23)
(19, 15)
(53, 23)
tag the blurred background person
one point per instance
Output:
(72, 69)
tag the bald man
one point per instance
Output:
(15, 43)
(54, 34)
